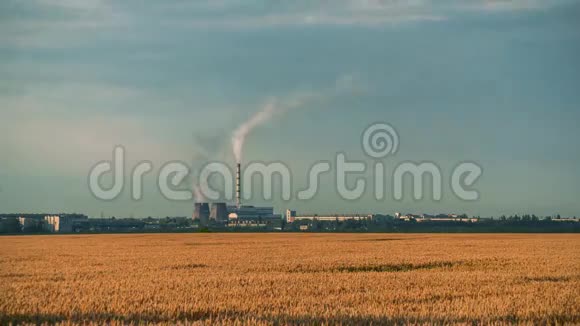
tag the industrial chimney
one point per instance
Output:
(238, 190)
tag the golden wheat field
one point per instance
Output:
(290, 279)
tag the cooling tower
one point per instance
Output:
(201, 213)
(219, 212)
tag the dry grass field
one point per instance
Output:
(290, 278)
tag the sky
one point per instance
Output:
(491, 82)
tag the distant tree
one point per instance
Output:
(526, 218)
(182, 221)
(318, 225)
(10, 225)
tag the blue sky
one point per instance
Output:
(495, 82)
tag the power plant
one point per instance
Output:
(238, 214)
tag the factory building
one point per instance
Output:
(63, 223)
(250, 212)
(435, 218)
(28, 223)
(236, 214)
(222, 213)
(253, 213)
(291, 217)
(254, 216)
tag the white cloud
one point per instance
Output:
(70, 23)
(311, 13)
(92, 14)
(505, 5)
(354, 12)
(57, 23)
(75, 5)
(310, 19)
(65, 98)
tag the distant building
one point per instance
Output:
(566, 219)
(64, 223)
(9, 224)
(254, 216)
(447, 219)
(30, 223)
(435, 218)
(407, 217)
(115, 225)
(254, 213)
(291, 217)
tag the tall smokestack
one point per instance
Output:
(238, 189)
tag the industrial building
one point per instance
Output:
(237, 214)
(221, 213)
(54, 223)
(292, 217)
(435, 218)
(253, 214)
(63, 223)
(31, 224)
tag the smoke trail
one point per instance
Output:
(205, 149)
(344, 84)
(198, 196)
(244, 130)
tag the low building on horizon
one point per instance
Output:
(292, 216)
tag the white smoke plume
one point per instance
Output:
(261, 117)
(343, 85)
(206, 149)
(198, 196)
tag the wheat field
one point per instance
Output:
(290, 279)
